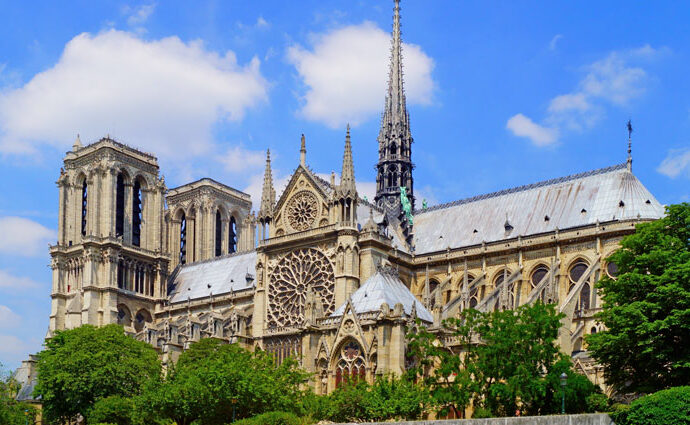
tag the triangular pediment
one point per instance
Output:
(350, 327)
(307, 195)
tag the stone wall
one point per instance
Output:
(588, 419)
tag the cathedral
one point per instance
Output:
(319, 272)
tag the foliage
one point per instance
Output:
(646, 309)
(115, 410)
(211, 374)
(273, 418)
(80, 366)
(506, 361)
(666, 407)
(13, 412)
(387, 398)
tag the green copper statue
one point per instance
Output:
(424, 204)
(406, 205)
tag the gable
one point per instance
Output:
(303, 205)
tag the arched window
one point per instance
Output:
(219, 233)
(474, 300)
(84, 204)
(351, 365)
(394, 148)
(183, 239)
(576, 272)
(120, 206)
(136, 214)
(612, 270)
(232, 243)
(499, 279)
(538, 275)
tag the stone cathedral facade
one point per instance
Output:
(319, 272)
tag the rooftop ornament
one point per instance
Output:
(406, 205)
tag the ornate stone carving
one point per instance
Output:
(302, 210)
(289, 280)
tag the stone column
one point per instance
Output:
(61, 212)
(127, 237)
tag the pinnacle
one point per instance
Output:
(268, 193)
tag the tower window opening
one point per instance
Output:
(120, 206)
(84, 202)
(219, 233)
(232, 242)
(136, 214)
(183, 239)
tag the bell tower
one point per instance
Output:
(109, 264)
(394, 168)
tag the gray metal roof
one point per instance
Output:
(384, 287)
(217, 276)
(603, 195)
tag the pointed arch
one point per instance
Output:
(232, 235)
(218, 233)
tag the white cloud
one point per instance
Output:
(16, 283)
(346, 71)
(139, 15)
(10, 344)
(554, 41)
(25, 237)
(239, 160)
(164, 96)
(522, 126)
(8, 319)
(676, 162)
(262, 23)
(614, 80)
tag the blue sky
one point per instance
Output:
(501, 94)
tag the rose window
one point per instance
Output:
(290, 280)
(302, 211)
(351, 365)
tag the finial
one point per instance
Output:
(630, 130)
(77, 144)
(303, 152)
(332, 178)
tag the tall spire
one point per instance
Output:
(630, 130)
(268, 194)
(303, 152)
(77, 144)
(347, 186)
(394, 168)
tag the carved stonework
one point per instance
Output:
(302, 211)
(290, 279)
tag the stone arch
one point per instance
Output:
(141, 319)
(348, 361)
(576, 268)
(124, 315)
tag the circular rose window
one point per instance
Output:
(302, 210)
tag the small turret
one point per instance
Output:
(77, 144)
(268, 198)
(346, 191)
(303, 152)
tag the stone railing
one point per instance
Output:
(297, 235)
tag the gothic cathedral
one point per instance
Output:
(319, 272)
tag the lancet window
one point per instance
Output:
(576, 272)
(183, 239)
(351, 366)
(219, 233)
(120, 205)
(136, 214)
(84, 205)
(232, 242)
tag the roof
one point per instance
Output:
(604, 195)
(384, 287)
(208, 182)
(218, 276)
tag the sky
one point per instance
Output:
(500, 94)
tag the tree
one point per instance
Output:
(13, 412)
(646, 308)
(211, 374)
(112, 410)
(666, 407)
(82, 365)
(504, 361)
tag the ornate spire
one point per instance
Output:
(268, 194)
(303, 153)
(347, 186)
(630, 130)
(77, 144)
(394, 169)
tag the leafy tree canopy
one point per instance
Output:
(81, 365)
(646, 309)
(211, 374)
(13, 412)
(505, 361)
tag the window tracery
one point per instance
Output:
(302, 211)
(351, 366)
(84, 204)
(294, 274)
(136, 214)
(232, 242)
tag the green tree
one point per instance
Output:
(113, 410)
(646, 308)
(666, 407)
(82, 365)
(211, 374)
(13, 412)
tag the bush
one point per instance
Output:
(482, 412)
(597, 402)
(667, 407)
(273, 418)
(114, 410)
